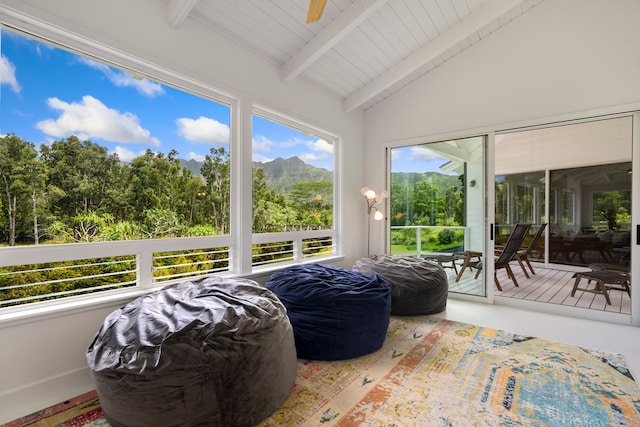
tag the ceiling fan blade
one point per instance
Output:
(316, 7)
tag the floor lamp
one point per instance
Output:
(372, 200)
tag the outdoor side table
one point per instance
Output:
(604, 281)
(442, 258)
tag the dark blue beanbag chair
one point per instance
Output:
(335, 313)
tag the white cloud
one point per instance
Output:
(123, 79)
(262, 143)
(396, 155)
(321, 150)
(310, 157)
(421, 153)
(196, 157)
(91, 119)
(320, 145)
(8, 74)
(203, 130)
(126, 155)
(260, 158)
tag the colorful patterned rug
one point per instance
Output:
(433, 372)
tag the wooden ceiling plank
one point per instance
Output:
(432, 50)
(177, 10)
(329, 37)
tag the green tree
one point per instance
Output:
(18, 167)
(267, 204)
(82, 175)
(313, 202)
(215, 171)
(159, 223)
(86, 227)
(426, 203)
(154, 184)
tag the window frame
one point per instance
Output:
(240, 227)
(299, 236)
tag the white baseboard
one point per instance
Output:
(29, 398)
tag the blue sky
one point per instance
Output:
(48, 94)
(417, 158)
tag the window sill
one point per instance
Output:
(36, 312)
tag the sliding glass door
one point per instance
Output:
(437, 208)
(577, 179)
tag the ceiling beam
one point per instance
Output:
(177, 10)
(329, 37)
(445, 41)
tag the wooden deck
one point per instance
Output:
(551, 286)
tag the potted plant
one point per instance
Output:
(610, 215)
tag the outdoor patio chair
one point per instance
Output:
(508, 253)
(522, 256)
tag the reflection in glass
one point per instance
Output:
(589, 211)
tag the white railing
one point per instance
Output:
(296, 246)
(422, 248)
(45, 272)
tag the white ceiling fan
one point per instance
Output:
(316, 7)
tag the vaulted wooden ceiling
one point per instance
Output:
(362, 50)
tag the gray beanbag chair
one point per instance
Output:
(215, 352)
(417, 286)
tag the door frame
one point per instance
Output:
(489, 150)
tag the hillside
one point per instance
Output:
(440, 180)
(280, 173)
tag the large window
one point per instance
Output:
(93, 153)
(111, 179)
(292, 189)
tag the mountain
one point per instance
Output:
(279, 174)
(193, 165)
(440, 180)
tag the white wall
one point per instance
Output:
(43, 362)
(560, 60)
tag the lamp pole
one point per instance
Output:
(371, 198)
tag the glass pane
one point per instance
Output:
(594, 215)
(41, 282)
(437, 204)
(292, 179)
(524, 205)
(104, 154)
(177, 265)
(587, 207)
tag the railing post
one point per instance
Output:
(418, 240)
(297, 249)
(144, 261)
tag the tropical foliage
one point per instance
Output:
(423, 204)
(74, 191)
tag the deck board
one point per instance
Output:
(548, 285)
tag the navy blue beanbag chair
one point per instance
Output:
(335, 313)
